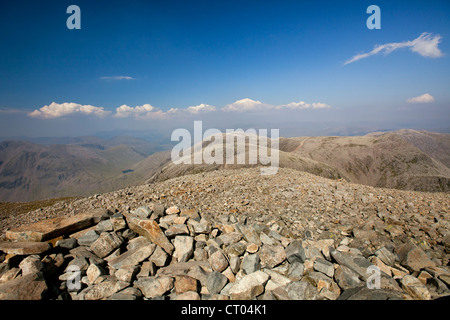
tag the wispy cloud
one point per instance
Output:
(117, 78)
(425, 98)
(57, 110)
(426, 45)
(303, 105)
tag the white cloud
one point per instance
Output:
(425, 98)
(245, 105)
(57, 110)
(303, 105)
(117, 78)
(426, 45)
(145, 111)
(201, 108)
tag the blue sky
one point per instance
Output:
(158, 58)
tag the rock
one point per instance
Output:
(127, 273)
(24, 247)
(132, 257)
(185, 283)
(30, 265)
(218, 261)
(318, 279)
(88, 238)
(386, 256)
(216, 282)
(151, 230)
(118, 222)
(202, 227)
(190, 213)
(235, 264)
(105, 289)
(296, 270)
(414, 258)
(251, 263)
(176, 230)
(105, 244)
(142, 212)
(184, 248)
(276, 280)
(152, 287)
(94, 272)
(301, 290)
(415, 288)
(252, 248)
(10, 274)
(295, 252)
(271, 255)
(104, 226)
(28, 287)
(159, 257)
(249, 234)
(188, 295)
(148, 269)
(355, 262)
(230, 238)
(324, 266)
(172, 210)
(68, 243)
(346, 278)
(52, 228)
(364, 293)
(250, 286)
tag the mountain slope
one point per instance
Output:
(403, 159)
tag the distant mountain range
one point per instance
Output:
(83, 166)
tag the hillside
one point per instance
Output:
(405, 159)
(30, 171)
(232, 234)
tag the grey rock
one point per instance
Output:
(364, 293)
(132, 257)
(142, 212)
(386, 256)
(296, 270)
(250, 286)
(346, 278)
(301, 290)
(295, 252)
(216, 282)
(105, 244)
(251, 263)
(355, 262)
(88, 238)
(104, 226)
(271, 255)
(68, 243)
(324, 266)
(152, 287)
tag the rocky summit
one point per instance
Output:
(232, 234)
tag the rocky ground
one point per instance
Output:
(233, 234)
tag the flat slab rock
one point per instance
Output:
(52, 228)
(24, 247)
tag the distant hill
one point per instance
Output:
(404, 159)
(67, 167)
(84, 166)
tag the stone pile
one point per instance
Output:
(168, 252)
